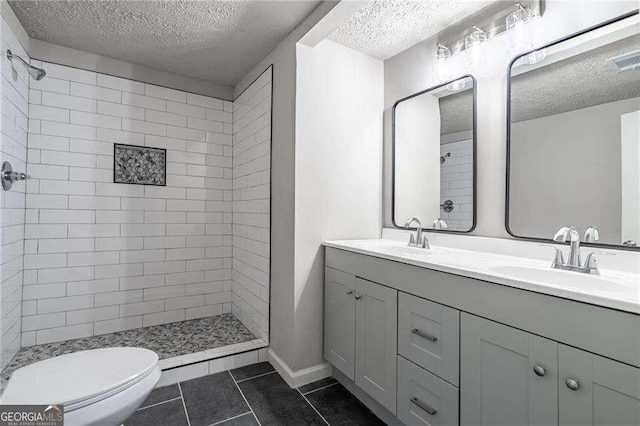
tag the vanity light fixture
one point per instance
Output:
(442, 68)
(473, 46)
(441, 62)
(520, 36)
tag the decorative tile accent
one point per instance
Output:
(167, 340)
(139, 165)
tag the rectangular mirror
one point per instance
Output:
(574, 137)
(434, 161)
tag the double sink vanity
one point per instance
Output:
(452, 336)
(447, 328)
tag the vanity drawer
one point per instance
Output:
(424, 399)
(429, 335)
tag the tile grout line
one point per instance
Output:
(314, 408)
(320, 388)
(184, 405)
(158, 403)
(254, 377)
(245, 398)
(231, 418)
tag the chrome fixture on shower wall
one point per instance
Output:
(35, 72)
(447, 206)
(8, 176)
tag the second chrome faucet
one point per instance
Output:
(570, 234)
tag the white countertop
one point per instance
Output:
(612, 288)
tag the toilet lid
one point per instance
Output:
(72, 378)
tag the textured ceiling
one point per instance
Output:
(578, 82)
(456, 112)
(384, 28)
(215, 41)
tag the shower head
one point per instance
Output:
(35, 72)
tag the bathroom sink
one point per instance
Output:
(567, 279)
(409, 251)
(397, 249)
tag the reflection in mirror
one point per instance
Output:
(433, 157)
(574, 146)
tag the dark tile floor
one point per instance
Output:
(252, 395)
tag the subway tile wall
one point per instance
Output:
(14, 88)
(456, 184)
(103, 257)
(251, 204)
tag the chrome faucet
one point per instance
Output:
(417, 240)
(440, 224)
(570, 234)
(591, 235)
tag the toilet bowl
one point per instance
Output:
(96, 387)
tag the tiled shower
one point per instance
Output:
(83, 256)
(456, 183)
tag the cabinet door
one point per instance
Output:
(596, 390)
(507, 376)
(377, 341)
(339, 320)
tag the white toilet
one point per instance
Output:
(97, 387)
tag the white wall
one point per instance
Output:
(630, 175)
(566, 169)
(338, 171)
(283, 313)
(411, 71)
(252, 205)
(103, 257)
(63, 55)
(417, 186)
(14, 88)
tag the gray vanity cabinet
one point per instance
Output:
(507, 376)
(361, 333)
(340, 320)
(597, 391)
(377, 341)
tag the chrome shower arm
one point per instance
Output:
(10, 56)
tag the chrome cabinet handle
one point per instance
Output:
(424, 406)
(572, 384)
(358, 297)
(539, 370)
(349, 291)
(424, 335)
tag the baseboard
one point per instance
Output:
(295, 379)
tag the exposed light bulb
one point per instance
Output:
(474, 49)
(441, 63)
(520, 36)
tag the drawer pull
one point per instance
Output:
(424, 406)
(429, 337)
